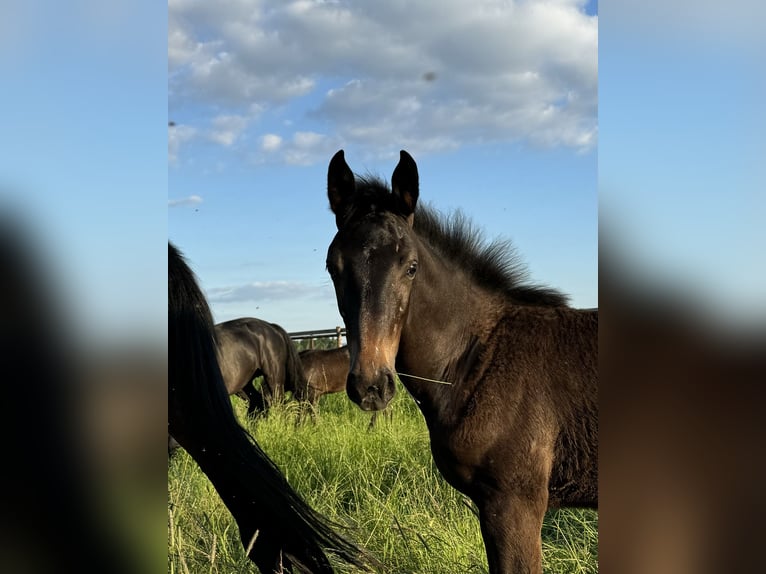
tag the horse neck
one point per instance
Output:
(448, 318)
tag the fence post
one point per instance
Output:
(337, 331)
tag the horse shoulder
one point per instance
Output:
(508, 414)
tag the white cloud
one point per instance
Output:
(227, 128)
(271, 142)
(495, 71)
(302, 148)
(186, 201)
(307, 148)
(261, 291)
(307, 139)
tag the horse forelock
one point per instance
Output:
(372, 198)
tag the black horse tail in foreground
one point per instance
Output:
(279, 530)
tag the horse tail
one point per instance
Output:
(295, 376)
(277, 527)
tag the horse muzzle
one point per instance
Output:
(371, 393)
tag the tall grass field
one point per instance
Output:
(381, 485)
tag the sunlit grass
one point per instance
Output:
(381, 485)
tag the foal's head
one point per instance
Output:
(373, 262)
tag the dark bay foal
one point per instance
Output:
(505, 373)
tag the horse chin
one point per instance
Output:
(373, 403)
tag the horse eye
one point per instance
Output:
(412, 269)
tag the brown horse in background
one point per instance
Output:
(505, 373)
(250, 348)
(326, 371)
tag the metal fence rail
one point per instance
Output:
(337, 332)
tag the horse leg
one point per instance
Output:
(313, 400)
(304, 396)
(309, 406)
(269, 394)
(510, 527)
(304, 409)
(312, 403)
(256, 404)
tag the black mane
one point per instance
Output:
(494, 265)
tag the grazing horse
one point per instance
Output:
(280, 532)
(326, 371)
(505, 373)
(249, 348)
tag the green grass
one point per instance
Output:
(382, 484)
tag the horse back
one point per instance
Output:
(240, 347)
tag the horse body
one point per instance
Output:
(504, 373)
(522, 372)
(250, 347)
(325, 371)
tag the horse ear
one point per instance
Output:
(404, 183)
(340, 183)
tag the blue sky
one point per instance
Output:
(499, 110)
(84, 158)
(682, 176)
(85, 150)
